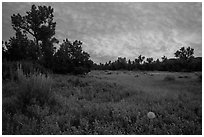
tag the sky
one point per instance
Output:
(121, 29)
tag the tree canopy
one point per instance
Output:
(34, 40)
(184, 54)
(71, 58)
(38, 22)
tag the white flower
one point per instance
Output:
(151, 115)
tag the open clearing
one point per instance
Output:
(120, 100)
(111, 102)
(151, 82)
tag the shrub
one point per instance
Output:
(80, 70)
(183, 76)
(169, 78)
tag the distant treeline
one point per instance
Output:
(34, 42)
(173, 64)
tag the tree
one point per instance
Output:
(4, 51)
(184, 54)
(164, 59)
(140, 59)
(121, 63)
(38, 22)
(129, 65)
(20, 48)
(149, 60)
(71, 58)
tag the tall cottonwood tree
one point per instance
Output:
(39, 23)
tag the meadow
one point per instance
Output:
(103, 102)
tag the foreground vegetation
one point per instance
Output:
(102, 103)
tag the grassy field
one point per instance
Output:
(104, 102)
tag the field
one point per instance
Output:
(104, 102)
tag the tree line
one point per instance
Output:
(184, 61)
(35, 40)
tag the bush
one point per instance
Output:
(169, 78)
(80, 70)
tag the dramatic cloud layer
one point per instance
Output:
(109, 30)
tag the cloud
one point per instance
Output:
(109, 30)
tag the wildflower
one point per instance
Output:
(151, 115)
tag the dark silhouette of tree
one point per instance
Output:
(129, 65)
(38, 22)
(4, 51)
(164, 58)
(20, 48)
(121, 63)
(71, 58)
(149, 60)
(184, 62)
(185, 57)
(157, 65)
(184, 54)
(141, 59)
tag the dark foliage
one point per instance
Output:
(38, 22)
(71, 58)
(184, 62)
(20, 48)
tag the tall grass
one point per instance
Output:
(73, 105)
(34, 87)
(26, 106)
(9, 69)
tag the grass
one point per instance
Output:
(169, 78)
(100, 103)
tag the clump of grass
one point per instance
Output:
(200, 78)
(9, 69)
(76, 81)
(169, 78)
(32, 89)
(109, 73)
(183, 76)
(35, 87)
